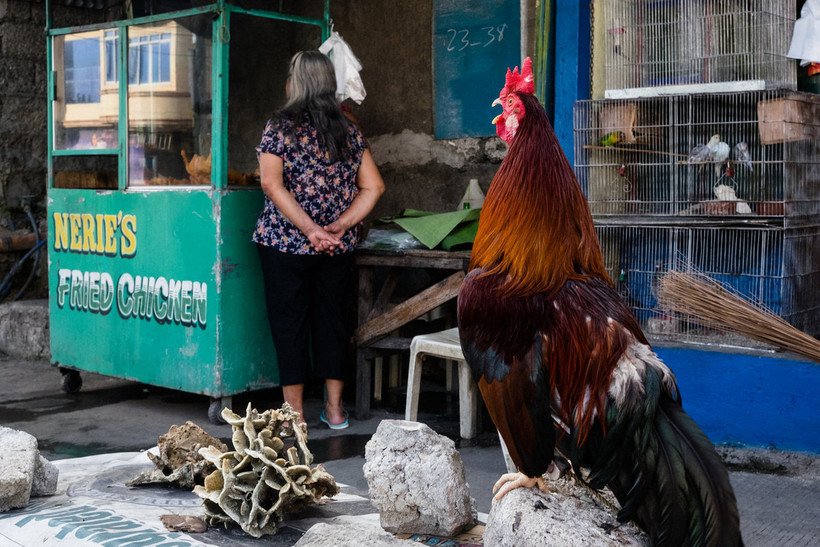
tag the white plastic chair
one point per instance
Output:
(444, 344)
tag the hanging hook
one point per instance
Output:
(224, 33)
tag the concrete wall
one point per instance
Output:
(23, 116)
(22, 100)
(394, 43)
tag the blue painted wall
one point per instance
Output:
(750, 400)
(572, 66)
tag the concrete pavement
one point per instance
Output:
(778, 493)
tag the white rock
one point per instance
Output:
(417, 480)
(348, 535)
(568, 515)
(18, 455)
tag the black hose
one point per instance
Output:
(6, 284)
(33, 271)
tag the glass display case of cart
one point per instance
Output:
(168, 104)
(158, 129)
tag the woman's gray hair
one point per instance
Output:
(312, 79)
(312, 91)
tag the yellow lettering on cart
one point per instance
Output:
(128, 241)
(100, 234)
(60, 231)
(76, 232)
(89, 243)
(110, 234)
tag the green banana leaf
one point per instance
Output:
(432, 229)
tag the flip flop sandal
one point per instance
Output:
(344, 425)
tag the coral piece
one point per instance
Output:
(261, 479)
(179, 462)
(184, 523)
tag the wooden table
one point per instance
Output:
(376, 320)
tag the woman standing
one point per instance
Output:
(320, 182)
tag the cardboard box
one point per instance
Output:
(783, 120)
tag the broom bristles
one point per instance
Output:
(710, 303)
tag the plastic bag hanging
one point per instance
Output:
(348, 82)
(805, 43)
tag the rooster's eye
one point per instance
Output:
(510, 101)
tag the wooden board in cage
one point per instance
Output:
(619, 117)
(783, 120)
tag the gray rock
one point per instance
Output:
(44, 481)
(416, 480)
(24, 329)
(18, 455)
(348, 535)
(568, 515)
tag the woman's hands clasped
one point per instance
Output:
(324, 240)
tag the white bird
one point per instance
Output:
(741, 155)
(720, 152)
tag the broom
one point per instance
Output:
(712, 304)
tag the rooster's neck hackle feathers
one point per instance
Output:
(536, 228)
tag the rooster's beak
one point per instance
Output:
(496, 102)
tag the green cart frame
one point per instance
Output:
(152, 273)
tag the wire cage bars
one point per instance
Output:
(775, 268)
(653, 47)
(747, 155)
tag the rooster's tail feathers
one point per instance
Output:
(664, 471)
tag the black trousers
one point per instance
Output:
(305, 297)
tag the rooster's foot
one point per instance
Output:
(511, 481)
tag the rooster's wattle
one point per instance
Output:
(559, 358)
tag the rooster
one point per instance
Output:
(560, 360)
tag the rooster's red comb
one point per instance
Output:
(522, 82)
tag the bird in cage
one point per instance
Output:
(562, 363)
(720, 152)
(741, 154)
(700, 153)
(612, 138)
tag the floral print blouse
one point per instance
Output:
(323, 189)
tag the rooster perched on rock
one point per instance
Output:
(562, 362)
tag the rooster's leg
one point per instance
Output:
(510, 481)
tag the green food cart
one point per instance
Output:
(153, 191)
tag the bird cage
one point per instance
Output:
(748, 217)
(639, 157)
(697, 46)
(774, 267)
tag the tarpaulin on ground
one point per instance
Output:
(92, 506)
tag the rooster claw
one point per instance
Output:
(510, 481)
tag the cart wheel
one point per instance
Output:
(215, 412)
(71, 382)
